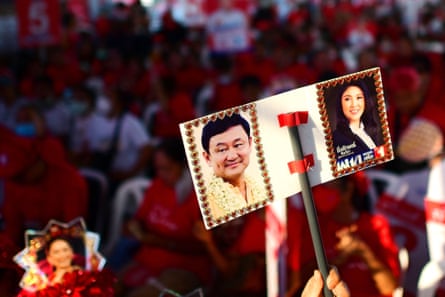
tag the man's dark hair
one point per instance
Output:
(219, 126)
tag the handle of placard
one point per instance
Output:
(310, 210)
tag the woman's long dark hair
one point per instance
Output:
(369, 117)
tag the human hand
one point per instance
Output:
(135, 229)
(349, 243)
(314, 286)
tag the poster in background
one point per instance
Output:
(39, 22)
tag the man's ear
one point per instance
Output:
(206, 156)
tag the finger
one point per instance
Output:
(353, 228)
(342, 232)
(314, 286)
(336, 285)
(333, 278)
(341, 290)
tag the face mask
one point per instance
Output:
(26, 130)
(103, 105)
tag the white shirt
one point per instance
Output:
(58, 119)
(81, 128)
(132, 137)
(360, 132)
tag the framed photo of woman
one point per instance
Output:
(353, 112)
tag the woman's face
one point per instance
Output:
(353, 104)
(60, 254)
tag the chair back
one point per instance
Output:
(98, 191)
(127, 199)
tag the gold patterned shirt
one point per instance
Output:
(224, 198)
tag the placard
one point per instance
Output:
(241, 158)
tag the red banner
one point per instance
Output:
(39, 22)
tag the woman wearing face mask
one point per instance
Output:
(358, 243)
(357, 125)
(39, 182)
(30, 123)
(120, 144)
(85, 117)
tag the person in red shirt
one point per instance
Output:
(237, 249)
(408, 100)
(39, 183)
(172, 107)
(358, 243)
(169, 254)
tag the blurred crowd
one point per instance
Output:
(110, 97)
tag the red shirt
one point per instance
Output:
(179, 109)
(226, 95)
(61, 194)
(161, 214)
(252, 238)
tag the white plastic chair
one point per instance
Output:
(127, 199)
(100, 180)
(168, 292)
(404, 264)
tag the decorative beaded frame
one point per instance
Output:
(193, 147)
(373, 73)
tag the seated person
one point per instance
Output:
(163, 224)
(358, 243)
(39, 183)
(237, 249)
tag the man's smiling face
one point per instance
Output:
(229, 153)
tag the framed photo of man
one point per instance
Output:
(353, 112)
(227, 164)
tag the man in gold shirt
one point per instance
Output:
(227, 146)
